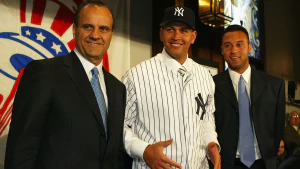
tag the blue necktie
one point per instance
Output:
(99, 95)
(246, 139)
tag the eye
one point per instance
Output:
(104, 29)
(87, 27)
(227, 46)
(184, 30)
(239, 44)
(169, 29)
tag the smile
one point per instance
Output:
(175, 44)
(234, 57)
(93, 43)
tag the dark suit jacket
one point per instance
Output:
(292, 162)
(56, 122)
(291, 139)
(267, 113)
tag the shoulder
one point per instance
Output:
(289, 127)
(111, 79)
(220, 77)
(199, 68)
(266, 77)
(143, 66)
(146, 63)
(44, 63)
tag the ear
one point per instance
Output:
(74, 30)
(194, 35)
(221, 50)
(250, 48)
(161, 34)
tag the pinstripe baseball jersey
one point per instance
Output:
(168, 100)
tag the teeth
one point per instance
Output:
(92, 43)
(176, 44)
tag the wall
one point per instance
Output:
(140, 31)
(282, 38)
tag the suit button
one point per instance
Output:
(102, 135)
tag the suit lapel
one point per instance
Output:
(108, 85)
(258, 83)
(225, 86)
(111, 98)
(77, 73)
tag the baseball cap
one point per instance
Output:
(179, 14)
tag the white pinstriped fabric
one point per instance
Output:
(161, 104)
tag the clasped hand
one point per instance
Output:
(156, 159)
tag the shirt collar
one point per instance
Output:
(235, 77)
(173, 64)
(87, 65)
(295, 127)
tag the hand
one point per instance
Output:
(214, 155)
(155, 158)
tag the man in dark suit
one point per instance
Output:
(291, 135)
(262, 122)
(58, 121)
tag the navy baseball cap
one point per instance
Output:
(179, 14)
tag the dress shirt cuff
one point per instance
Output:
(138, 148)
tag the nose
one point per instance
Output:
(95, 34)
(176, 35)
(233, 49)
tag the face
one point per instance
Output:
(177, 37)
(281, 148)
(93, 32)
(235, 49)
(294, 118)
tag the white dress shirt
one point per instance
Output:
(235, 77)
(88, 66)
(161, 105)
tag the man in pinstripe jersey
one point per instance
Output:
(169, 120)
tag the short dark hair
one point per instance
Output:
(234, 28)
(98, 3)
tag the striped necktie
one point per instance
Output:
(182, 71)
(246, 138)
(99, 96)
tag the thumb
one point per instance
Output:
(167, 142)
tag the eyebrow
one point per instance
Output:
(236, 42)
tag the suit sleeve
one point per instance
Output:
(280, 115)
(29, 113)
(134, 146)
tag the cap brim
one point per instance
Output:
(166, 22)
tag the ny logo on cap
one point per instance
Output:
(179, 11)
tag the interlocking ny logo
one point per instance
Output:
(201, 104)
(179, 11)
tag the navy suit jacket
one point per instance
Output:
(56, 122)
(267, 113)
